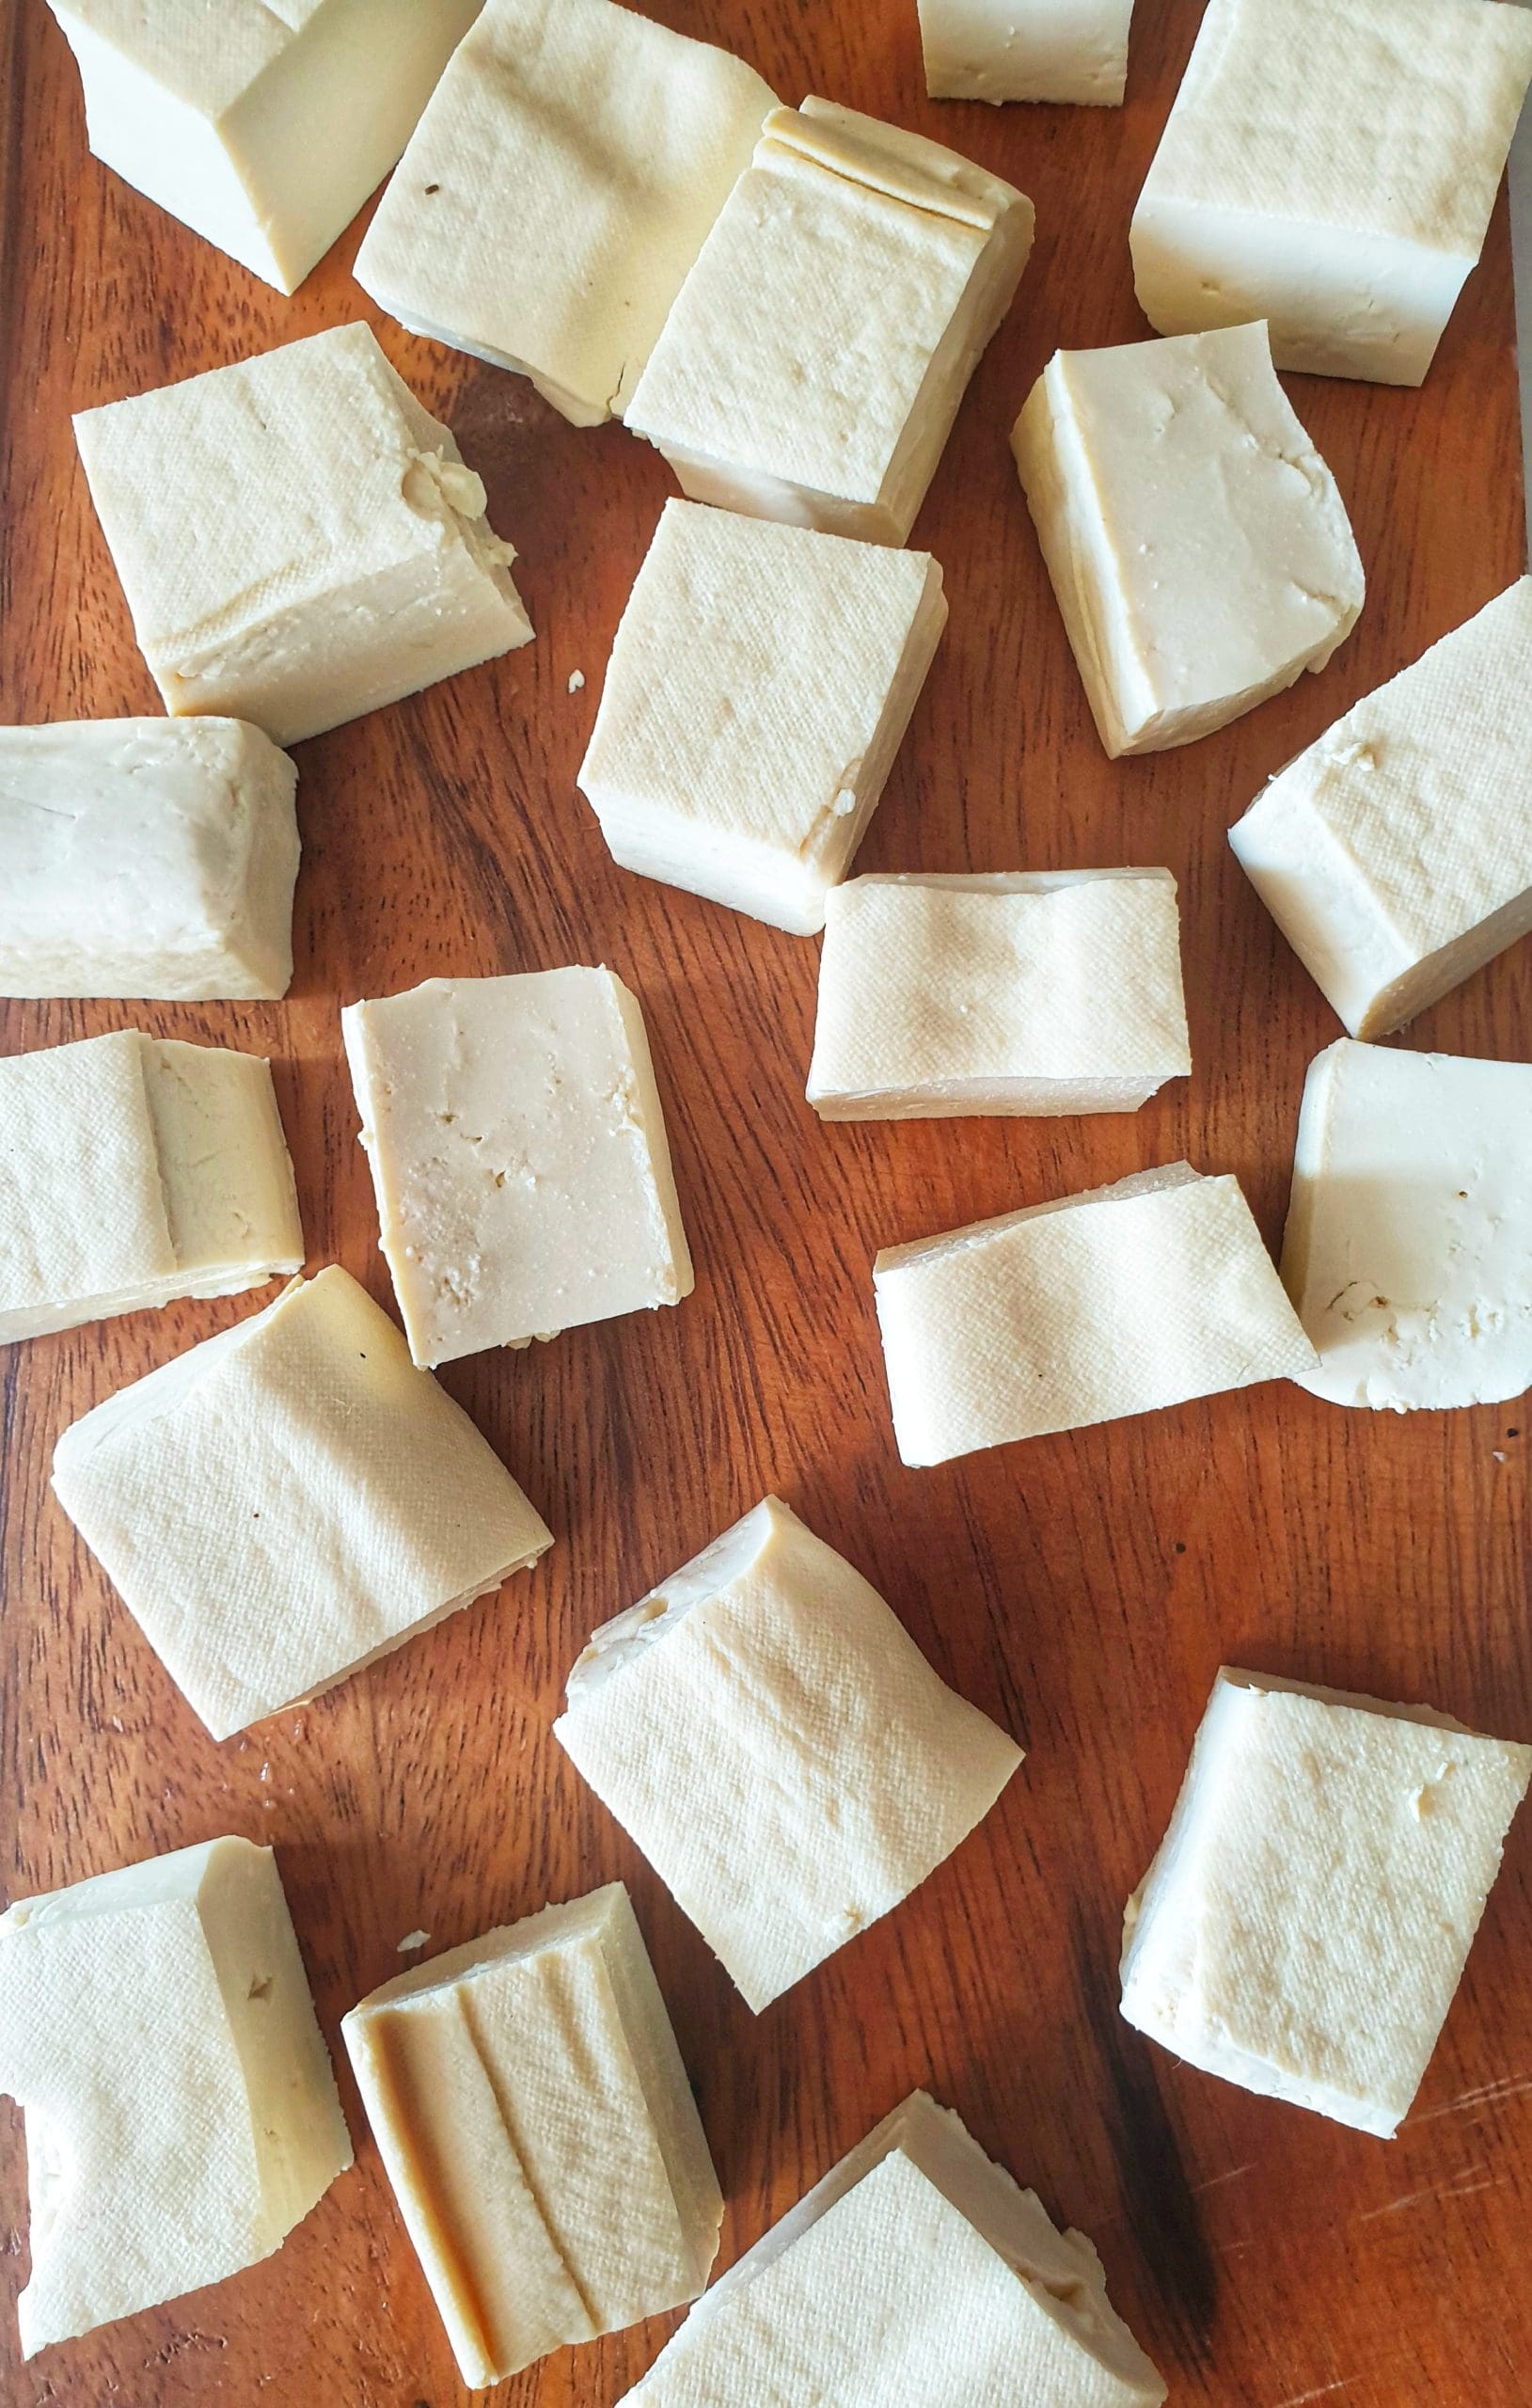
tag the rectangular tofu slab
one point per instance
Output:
(816, 355)
(1048, 991)
(917, 2274)
(298, 538)
(519, 1157)
(1026, 49)
(135, 1169)
(535, 2120)
(157, 2030)
(146, 857)
(767, 1731)
(290, 1500)
(1304, 1926)
(1122, 1300)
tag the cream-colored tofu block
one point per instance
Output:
(157, 2030)
(262, 128)
(146, 857)
(298, 538)
(917, 2274)
(1121, 1300)
(759, 688)
(1199, 551)
(1330, 165)
(133, 1170)
(1396, 855)
(1026, 49)
(767, 1731)
(518, 1154)
(1047, 993)
(600, 148)
(537, 2126)
(1304, 1926)
(290, 1500)
(816, 355)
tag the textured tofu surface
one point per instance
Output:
(1026, 49)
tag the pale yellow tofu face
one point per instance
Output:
(169, 40)
(1052, 50)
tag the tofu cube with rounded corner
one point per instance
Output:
(536, 2123)
(767, 1732)
(298, 538)
(1305, 1925)
(1026, 49)
(759, 688)
(290, 1500)
(1198, 548)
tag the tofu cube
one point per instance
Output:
(146, 857)
(917, 2274)
(601, 147)
(157, 2030)
(1024, 992)
(1026, 49)
(767, 1731)
(1304, 1926)
(816, 355)
(1396, 855)
(298, 538)
(759, 685)
(1199, 551)
(290, 1500)
(1122, 1300)
(1330, 165)
(535, 2120)
(518, 1154)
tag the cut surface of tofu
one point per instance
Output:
(1046, 991)
(1199, 551)
(816, 355)
(759, 686)
(519, 1158)
(601, 147)
(290, 1500)
(1026, 49)
(537, 2126)
(767, 1731)
(1304, 1926)
(1330, 165)
(157, 2030)
(299, 540)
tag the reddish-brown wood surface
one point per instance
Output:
(1082, 1589)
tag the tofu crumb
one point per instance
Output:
(412, 1941)
(576, 681)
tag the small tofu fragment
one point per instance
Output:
(916, 2270)
(1026, 49)
(1304, 1926)
(157, 2030)
(1199, 549)
(1024, 992)
(814, 360)
(536, 2123)
(290, 1500)
(299, 541)
(767, 1731)
(518, 1154)
(759, 688)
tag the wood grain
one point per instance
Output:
(1082, 1589)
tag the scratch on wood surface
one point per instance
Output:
(1214, 2179)
(1488, 2094)
(1343, 2383)
(1457, 2188)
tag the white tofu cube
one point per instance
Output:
(1396, 855)
(146, 857)
(1047, 993)
(156, 2028)
(535, 2120)
(1304, 1926)
(1330, 165)
(917, 2274)
(759, 685)
(298, 538)
(290, 1500)
(600, 146)
(518, 1154)
(1121, 1300)
(767, 1731)
(1200, 552)
(816, 358)
(1026, 49)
